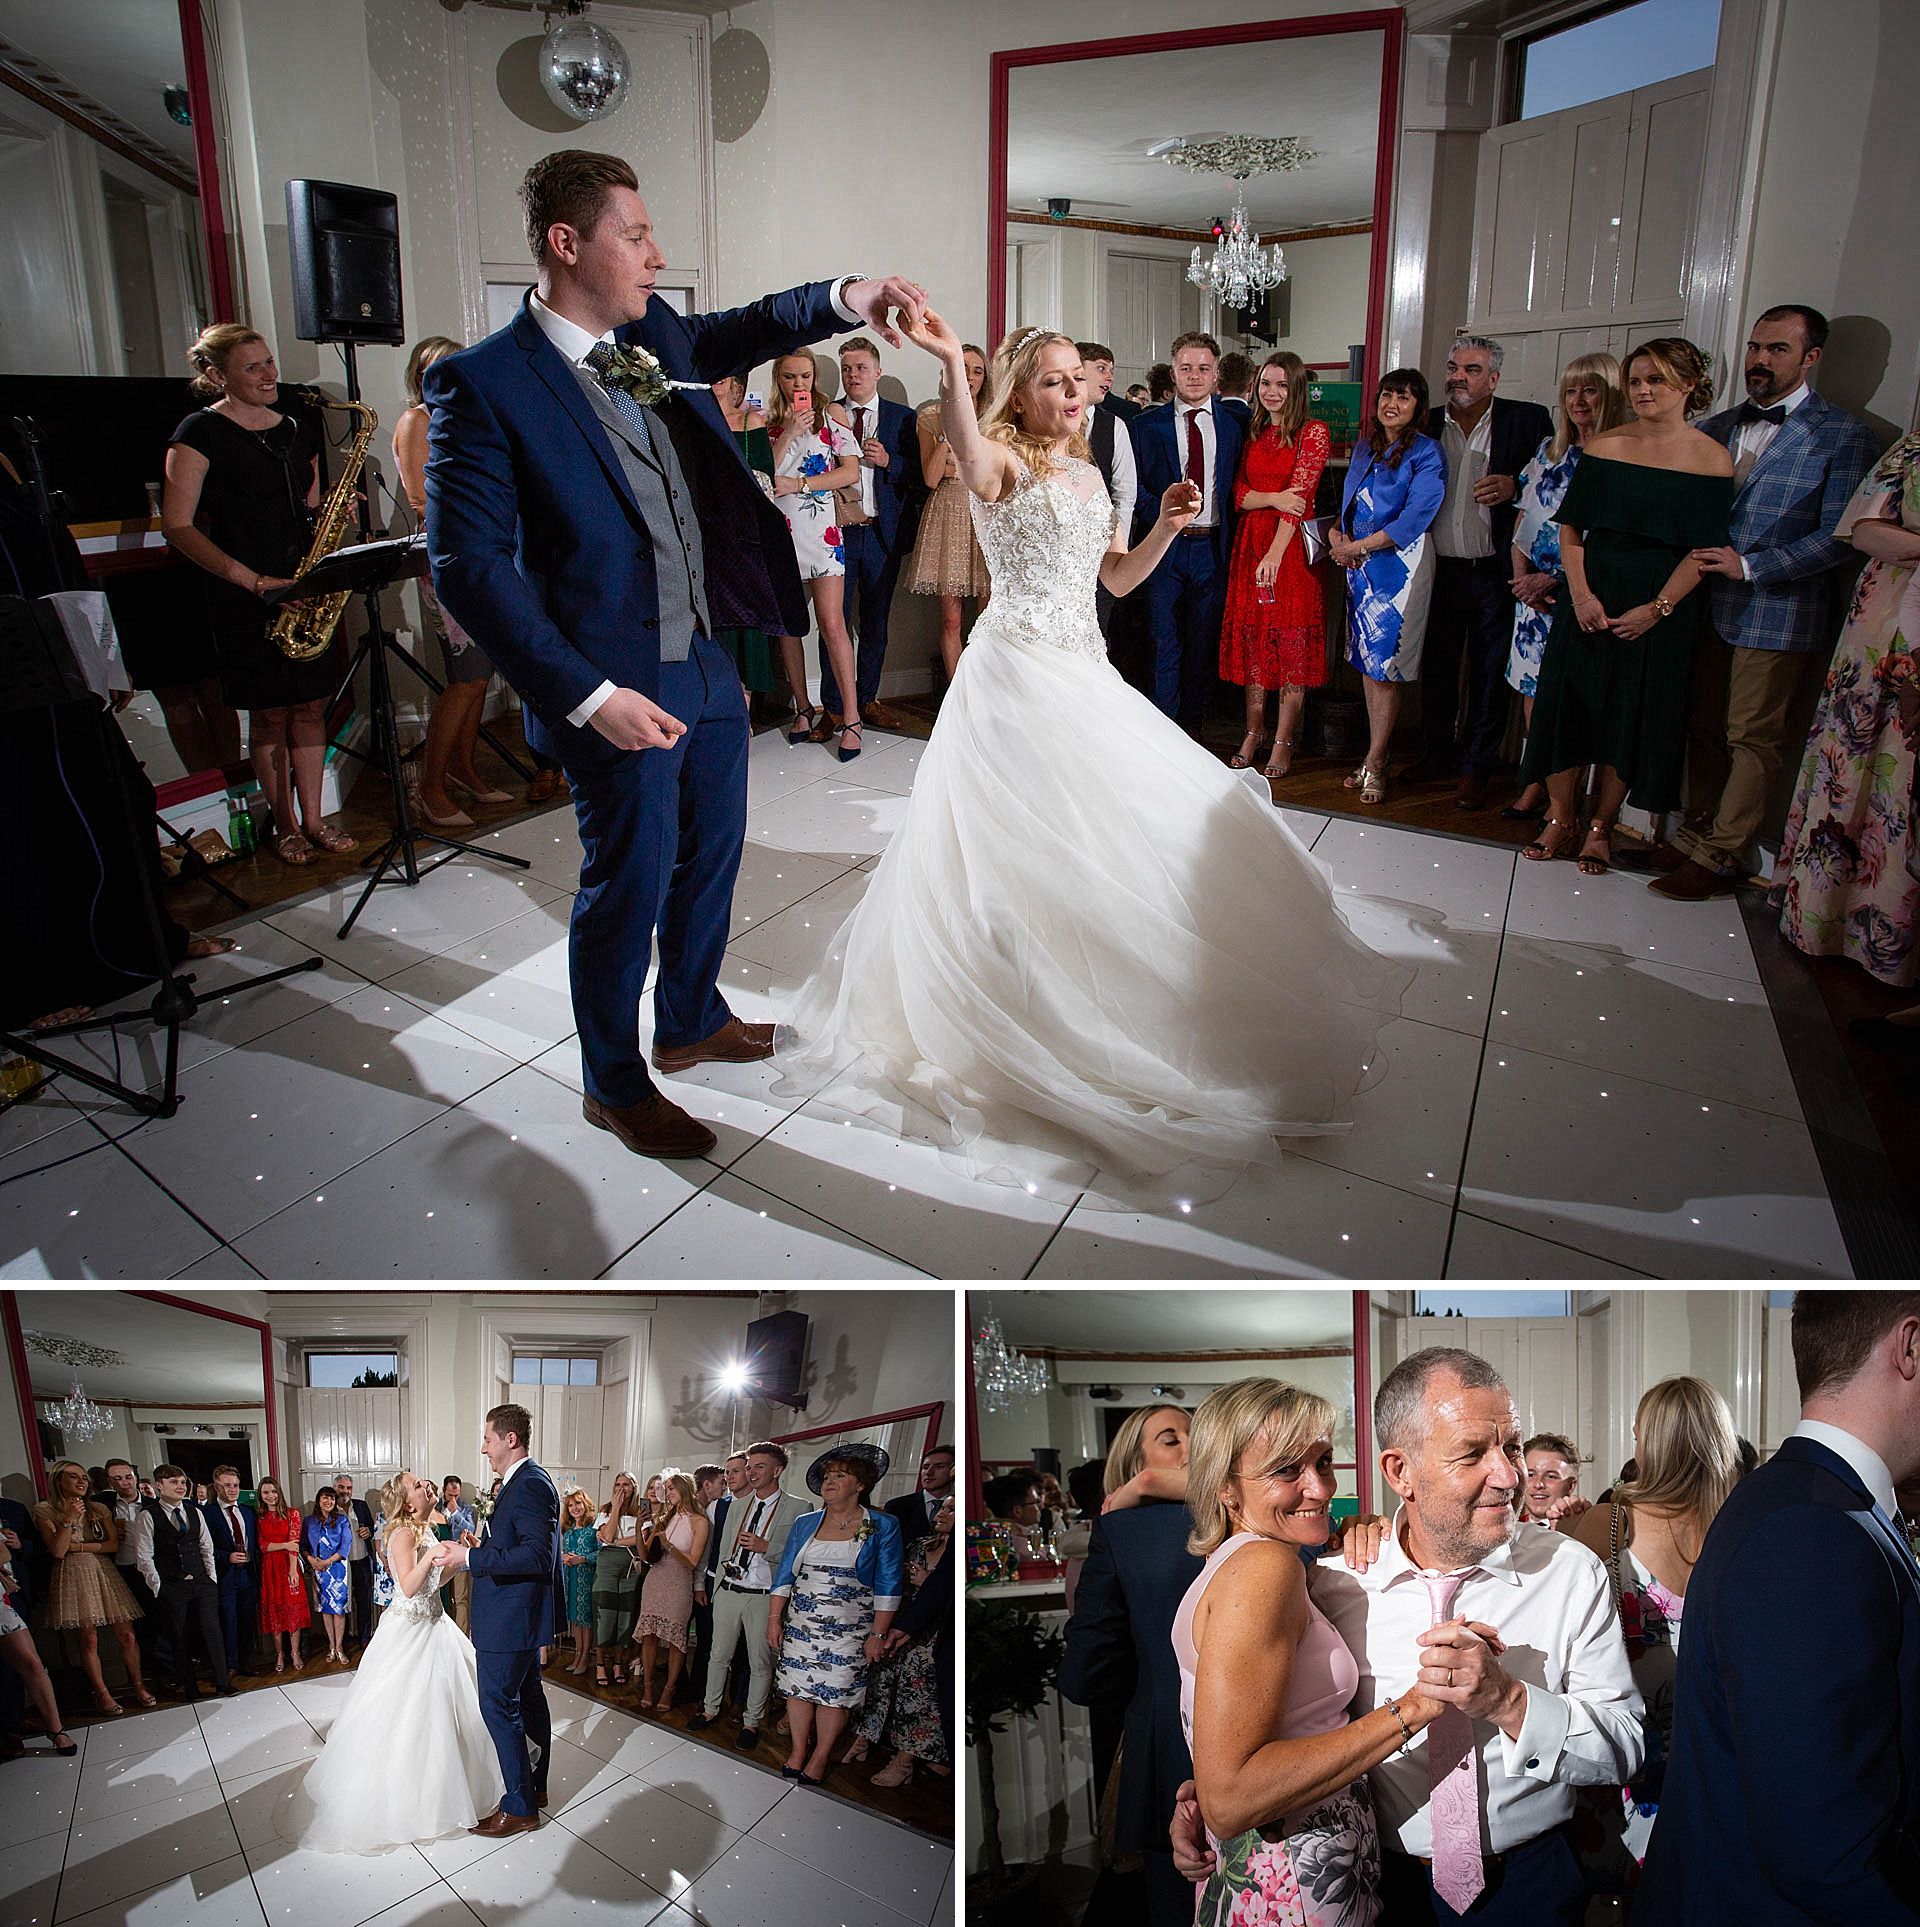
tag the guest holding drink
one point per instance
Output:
(1394, 488)
(679, 1528)
(88, 1593)
(1616, 669)
(1274, 633)
(284, 1612)
(579, 1555)
(1591, 402)
(328, 1543)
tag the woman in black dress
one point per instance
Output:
(242, 478)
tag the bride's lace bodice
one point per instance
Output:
(425, 1604)
(1043, 545)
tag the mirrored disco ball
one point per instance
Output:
(584, 69)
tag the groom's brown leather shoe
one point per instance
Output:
(497, 1825)
(656, 1127)
(733, 1043)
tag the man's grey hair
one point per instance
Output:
(1494, 351)
(1401, 1414)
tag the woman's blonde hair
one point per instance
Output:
(1129, 1451)
(1614, 408)
(682, 1488)
(1686, 1453)
(1011, 370)
(1680, 365)
(426, 351)
(1227, 1423)
(613, 1492)
(394, 1503)
(209, 352)
(53, 1478)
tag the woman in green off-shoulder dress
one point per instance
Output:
(1615, 673)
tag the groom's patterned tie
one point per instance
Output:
(1453, 1776)
(600, 359)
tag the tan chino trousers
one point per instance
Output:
(1737, 726)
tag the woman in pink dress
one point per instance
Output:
(1265, 1681)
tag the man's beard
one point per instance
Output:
(1761, 384)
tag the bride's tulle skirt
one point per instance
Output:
(1092, 959)
(408, 1757)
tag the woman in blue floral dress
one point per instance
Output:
(833, 1601)
(814, 453)
(327, 1540)
(1591, 401)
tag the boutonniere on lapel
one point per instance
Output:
(632, 371)
(482, 1512)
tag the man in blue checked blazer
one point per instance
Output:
(591, 524)
(1797, 460)
(1792, 1789)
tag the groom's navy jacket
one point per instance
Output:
(525, 1605)
(536, 540)
(1792, 1793)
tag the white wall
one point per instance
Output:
(1833, 223)
(1328, 283)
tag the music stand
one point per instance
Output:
(40, 673)
(368, 568)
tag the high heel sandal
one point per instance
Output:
(1243, 758)
(805, 716)
(1546, 846)
(1270, 772)
(1593, 864)
(845, 754)
(1370, 782)
(476, 793)
(334, 842)
(106, 1704)
(895, 1773)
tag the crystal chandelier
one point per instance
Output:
(78, 1418)
(1238, 268)
(1002, 1375)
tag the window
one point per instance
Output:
(1615, 52)
(1493, 1304)
(536, 1368)
(335, 1371)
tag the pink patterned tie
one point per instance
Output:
(1454, 1780)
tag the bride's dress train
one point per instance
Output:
(408, 1757)
(1089, 947)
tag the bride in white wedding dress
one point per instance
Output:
(408, 1757)
(1092, 958)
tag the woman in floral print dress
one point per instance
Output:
(814, 453)
(833, 1601)
(903, 1706)
(1846, 871)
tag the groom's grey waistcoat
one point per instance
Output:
(653, 473)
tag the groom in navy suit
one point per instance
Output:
(1792, 1790)
(518, 1606)
(591, 523)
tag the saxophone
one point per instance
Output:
(303, 630)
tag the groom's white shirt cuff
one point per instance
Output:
(554, 324)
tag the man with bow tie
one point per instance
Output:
(1797, 460)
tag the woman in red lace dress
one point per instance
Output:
(284, 1613)
(1273, 635)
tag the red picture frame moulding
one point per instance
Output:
(934, 1415)
(1388, 22)
(23, 1377)
(206, 162)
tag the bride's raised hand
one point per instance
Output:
(933, 332)
(1179, 505)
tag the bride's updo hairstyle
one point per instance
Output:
(1015, 363)
(1229, 1422)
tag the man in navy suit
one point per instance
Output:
(879, 518)
(1120, 1650)
(1193, 438)
(519, 1605)
(1792, 1791)
(236, 1558)
(915, 1509)
(591, 525)
(1797, 460)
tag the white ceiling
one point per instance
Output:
(1175, 1321)
(1081, 129)
(124, 53)
(172, 1357)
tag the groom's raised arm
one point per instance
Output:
(712, 345)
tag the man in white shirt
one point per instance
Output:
(1792, 1788)
(758, 1522)
(173, 1555)
(1475, 1813)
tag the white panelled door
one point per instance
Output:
(359, 1430)
(1539, 1359)
(1149, 301)
(567, 1434)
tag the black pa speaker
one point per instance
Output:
(344, 248)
